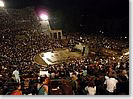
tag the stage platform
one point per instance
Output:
(56, 57)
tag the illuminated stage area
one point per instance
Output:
(55, 57)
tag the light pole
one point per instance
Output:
(45, 23)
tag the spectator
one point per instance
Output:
(16, 74)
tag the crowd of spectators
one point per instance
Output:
(102, 42)
(21, 41)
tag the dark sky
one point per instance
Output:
(86, 15)
(111, 8)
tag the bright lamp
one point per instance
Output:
(44, 17)
(2, 3)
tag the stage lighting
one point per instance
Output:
(2, 3)
(44, 17)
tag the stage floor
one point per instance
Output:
(55, 57)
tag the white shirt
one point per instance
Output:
(91, 90)
(52, 75)
(70, 74)
(84, 72)
(111, 84)
(16, 73)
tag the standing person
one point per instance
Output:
(17, 91)
(41, 89)
(66, 87)
(16, 74)
(111, 84)
(83, 51)
(91, 88)
(46, 85)
(55, 88)
(123, 83)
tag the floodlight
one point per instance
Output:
(44, 17)
(2, 3)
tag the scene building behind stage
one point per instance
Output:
(102, 69)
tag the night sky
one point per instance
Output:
(85, 16)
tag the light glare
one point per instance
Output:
(44, 17)
(1, 4)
